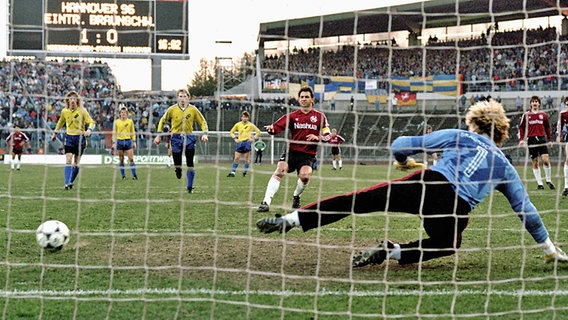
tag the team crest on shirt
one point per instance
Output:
(540, 116)
(314, 119)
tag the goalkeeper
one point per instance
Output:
(443, 196)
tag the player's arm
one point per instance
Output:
(202, 124)
(59, 125)
(234, 129)
(257, 133)
(89, 121)
(161, 123)
(522, 130)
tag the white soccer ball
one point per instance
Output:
(52, 234)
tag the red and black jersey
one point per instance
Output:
(300, 125)
(18, 140)
(563, 124)
(535, 124)
(336, 140)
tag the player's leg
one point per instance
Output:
(236, 159)
(190, 174)
(273, 184)
(535, 166)
(565, 191)
(247, 163)
(176, 144)
(130, 154)
(304, 176)
(82, 144)
(547, 169)
(120, 152)
(13, 162)
(339, 161)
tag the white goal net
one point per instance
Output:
(148, 249)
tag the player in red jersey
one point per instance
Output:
(535, 127)
(563, 137)
(17, 140)
(335, 140)
(304, 126)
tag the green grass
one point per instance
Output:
(148, 250)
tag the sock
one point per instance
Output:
(18, 164)
(121, 166)
(234, 168)
(547, 246)
(340, 163)
(547, 174)
(74, 173)
(537, 176)
(293, 218)
(190, 176)
(273, 185)
(333, 163)
(565, 175)
(300, 187)
(395, 253)
(246, 168)
(133, 168)
(67, 174)
(12, 163)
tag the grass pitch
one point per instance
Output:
(148, 250)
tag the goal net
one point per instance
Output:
(148, 249)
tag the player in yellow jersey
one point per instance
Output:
(76, 119)
(243, 140)
(124, 139)
(181, 117)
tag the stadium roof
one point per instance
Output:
(409, 17)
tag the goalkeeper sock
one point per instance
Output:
(396, 252)
(333, 164)
(271, 189)
(537, 176)
(121, 166)
(300, 187)
(293, 218)
(548, 247)
(340, 164)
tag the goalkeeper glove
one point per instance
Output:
(408, 164)
(557, 255)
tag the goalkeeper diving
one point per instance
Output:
(471, 167)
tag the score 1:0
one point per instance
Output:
(111, 36)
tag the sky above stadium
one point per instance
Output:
(217, 20)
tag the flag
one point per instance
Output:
(406, 98)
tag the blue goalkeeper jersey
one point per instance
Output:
(475, 166)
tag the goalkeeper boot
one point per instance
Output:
(296, 202)
(558, 255)
(269, 225)
(231, 175)
(178, 173)
(264, 207)
(565, 192)
(374, 255)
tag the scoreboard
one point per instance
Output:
(99, 27)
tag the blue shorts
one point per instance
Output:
(75, 144)
(243, 147)
(124, 144)
(180, 142)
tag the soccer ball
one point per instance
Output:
(52, 234)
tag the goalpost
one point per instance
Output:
(147, 249)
